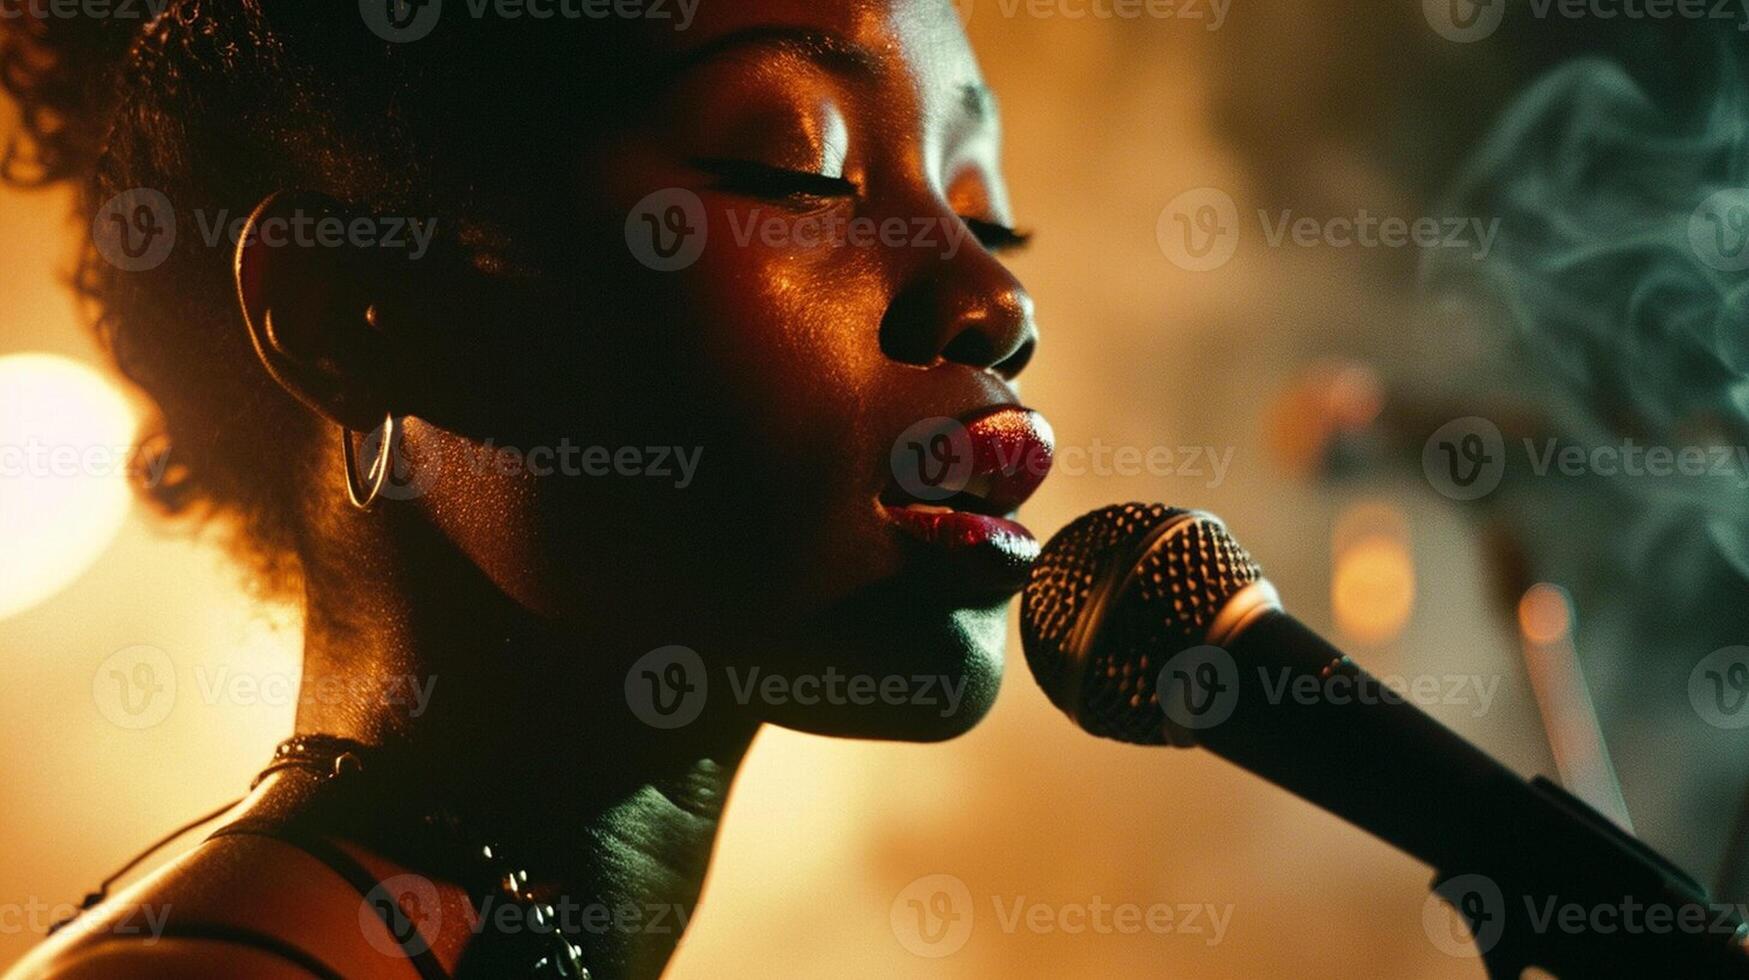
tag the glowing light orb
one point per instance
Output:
(1544, 615)
(1372, 582)
(65, 437)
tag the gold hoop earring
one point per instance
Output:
(365, 497)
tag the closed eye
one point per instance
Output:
(755, 179)
(996, 237)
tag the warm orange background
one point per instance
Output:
(1106, 122)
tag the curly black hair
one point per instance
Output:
(218, 103)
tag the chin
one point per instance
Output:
(907, 673)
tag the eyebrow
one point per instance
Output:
(832, 51)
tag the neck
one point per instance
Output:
(525, 730)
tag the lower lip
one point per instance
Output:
(990, 555)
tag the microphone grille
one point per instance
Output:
(1116, 594)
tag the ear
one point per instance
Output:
(306, 299)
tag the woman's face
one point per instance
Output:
(789, 238)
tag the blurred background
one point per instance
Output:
(1293, 384)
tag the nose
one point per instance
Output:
(968, 310)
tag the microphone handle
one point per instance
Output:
(1306, 718)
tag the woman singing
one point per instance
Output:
(604, 380)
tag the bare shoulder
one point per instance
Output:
(235, 906)
(165, 959)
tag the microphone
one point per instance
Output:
(1150, 625)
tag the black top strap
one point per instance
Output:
(239, 936)
(405, 932)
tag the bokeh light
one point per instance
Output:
(1372, 585)
(65, 433)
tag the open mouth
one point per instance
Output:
(956, 483)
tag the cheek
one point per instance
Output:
(785, 340)
(786, 351)
(759, 363)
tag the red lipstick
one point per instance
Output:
(956, 483)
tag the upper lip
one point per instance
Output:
(1010, 450)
